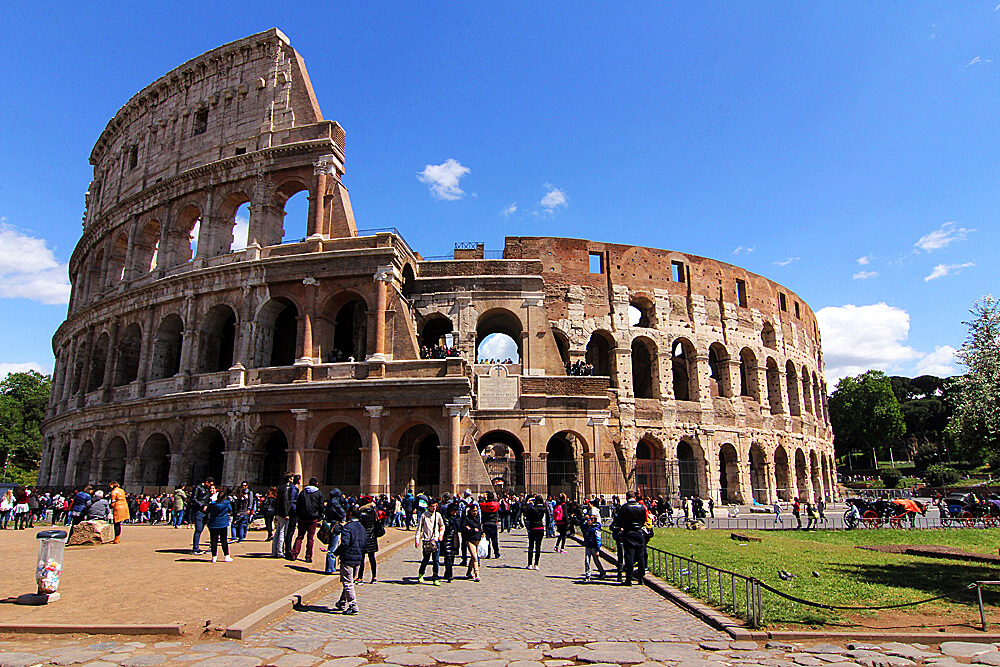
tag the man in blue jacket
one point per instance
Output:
(353, 539)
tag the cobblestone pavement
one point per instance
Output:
(551, 604)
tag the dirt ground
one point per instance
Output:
(152, 578)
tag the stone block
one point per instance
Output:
(91, 533)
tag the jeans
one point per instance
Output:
(490, 535)
(178, 517)
(5, 518)
(278, 541)
(561, 538)
(290, 524)
(331, 558)
(397, 520)
(432, 558)
(535, 546)
(240, 527)
(592, 553)
(199, 525)
(347, 596)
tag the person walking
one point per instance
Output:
(351, 551)
(219, 515)
(797, 513)
(561, 520)
(450, 541)
(335, 515)
(812, 515)
(180, 497)
(267, 510)
(777, 513)
(592, 545)
(200, 498)
(536, 518)
(282, 508)
(427, 537)
(491, 513)
(472, 535)
(630, 519)
(242, 502)
(309, 510)
(119, 509)
(374, 529)
(292, 490)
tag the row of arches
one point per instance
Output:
(193, 227)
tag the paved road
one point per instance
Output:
(510, 603)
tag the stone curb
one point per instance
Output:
(685, 601)
(267, 614)
(124, 629)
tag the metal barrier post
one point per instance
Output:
(697, 576)
(982, 613)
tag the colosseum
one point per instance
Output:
(195, 347)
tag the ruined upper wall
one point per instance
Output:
(242, 97)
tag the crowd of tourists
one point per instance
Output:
(438, 351)
(579, 368)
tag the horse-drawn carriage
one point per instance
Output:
(877, 513)
(968, 510)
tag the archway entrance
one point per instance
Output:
(801, 475)
(729, 475)
(498, 337)
(343, 462)
(503, 456)
(275, 460)
(561, 470)
(687, 470)
(154, 461)
(419, 464)
(113, 462)
(782, 474)
(207, 458)
(758, 474)
(350, 332)
(599, 355)
(650, 469)
(83, 464)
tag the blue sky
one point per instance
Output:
(849, 151)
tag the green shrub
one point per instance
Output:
(941, 475)
(891, 477)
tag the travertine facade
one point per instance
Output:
(182, 356)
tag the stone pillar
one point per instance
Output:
(316, 224)
(66, 378)
(383, 277)
(178, 471)
(597, 424)
(103, 282)
(388, 473)
(701, 373)
(373, 468)
(731, 369)
(69, 475)
(304, 344)
(455, 412)
(295, 455)
(129, 273)
(145, 353)
(109, 364)
(189, 337)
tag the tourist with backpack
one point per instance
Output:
(308, 510)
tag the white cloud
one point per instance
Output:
(942, 270)
(861, 338)
(498, 346)
(509, 210)
(7, 369)
(443, 179)
(29, 270)
(865, 275)
(553, 199)
(786, 261)
(864, 261)
(940, 362)
(942, 237)
(740, 249)
(979, 60)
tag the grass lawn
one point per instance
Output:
(847, 576)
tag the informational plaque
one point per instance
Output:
(497, 390)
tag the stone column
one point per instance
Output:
(701, 373)
(295, 455)
(81, 396)
(66, 378)
(69, 474)
(372, 480)
(189, 337)
(597, 424)
(455, 412)
(109, 364)
(383, 277)
(129, 273)
(732, 370)
(178, 471)
(317, 225)
(145, 353)
(104, 282)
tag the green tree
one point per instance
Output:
(23, 401)
(865, 414)
(975, 396)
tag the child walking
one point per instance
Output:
(592, 545)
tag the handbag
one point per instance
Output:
(378, 530)
(323, 534)
(429, 546)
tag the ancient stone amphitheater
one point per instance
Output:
(186, 354)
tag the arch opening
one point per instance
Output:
(207, 457)
(685, 370)
(343, 461)
(274, 462)
(729, 475)
(498, 336)
(773, 386)
(419, 465)
(129, 352)
(758, 474)
(748, 375)
(801, 475)
(503, 456)
(718, 363)
(599, 355)
(167, 346)
(154, 461)
(350, 332)
(113, 461)
(792, 386)
(278, 333)
(218, 339)
(768, 336)
(561, 469)
(645, 375)
(782, 474)
(83, 464)
(687, 470)
(98, 362)
(650, 469)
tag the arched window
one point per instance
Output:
(241, 228)
(650, 471)
(641, 312)
(758, 474)
(81, 476)
(599, 355)
(167, 345)
(801, 475)
(729, 474)
(807, 401)
(183, 236)
(277, 338)
(498, 336)
(95, 279)
(748, 374)
(768, 336)
(350, 331)
(436, 331)
(718, 363)
(116, 261)
(409, 281)
(147, 248)
(98, 362)
(274, 462)
(782, 474)
(218, 339)
(560, 465)
(685, 370)
(645, 375)
(129, 352)
(792, 383)
(419, 465)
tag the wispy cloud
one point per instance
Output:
(978, 60)
(553, 199)
(509, 210)
(740, 249)
(942, 270)
(443, 179)
(29, 270)
(864, 261)
(865, 275)
(942, 237)
(786, 261)
(7, 369)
